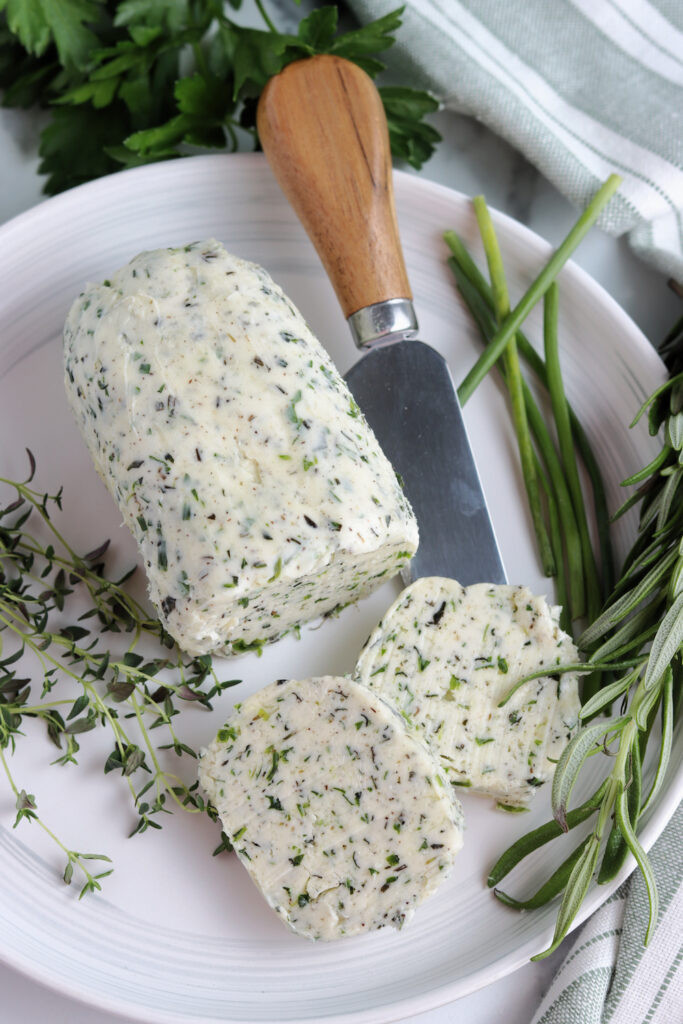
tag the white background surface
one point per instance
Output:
(472, 160)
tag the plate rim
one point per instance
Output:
(667, 801)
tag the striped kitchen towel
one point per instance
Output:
(581, 87)
(609, 977)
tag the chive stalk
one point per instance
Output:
(513, 378)
(537, 288)
(478, 297)
(558, 552)
(575, 586)
(560, 409)
(564, 436)
(572, 541)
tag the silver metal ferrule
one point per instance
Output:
(383, 322)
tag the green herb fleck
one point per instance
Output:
(292, 415)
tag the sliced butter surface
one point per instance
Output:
(445, 655)
(342, 819)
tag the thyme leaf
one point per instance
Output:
(112, 668)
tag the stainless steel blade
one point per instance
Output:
(408, 397)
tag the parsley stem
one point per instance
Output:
(264, 15)
(537, 288)
(200, 59)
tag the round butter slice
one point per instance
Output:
(342, 819)
(444, 656)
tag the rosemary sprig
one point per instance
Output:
(644, 619)
(634, 643)
(113, 666)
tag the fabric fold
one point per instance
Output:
(581, 89)
(609, 976)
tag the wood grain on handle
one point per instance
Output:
(322, 126)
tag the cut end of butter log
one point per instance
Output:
(445, 656)
(341, 817)
(257, 493)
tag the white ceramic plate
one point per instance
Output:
(177, 935)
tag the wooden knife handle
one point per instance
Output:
(322, 126)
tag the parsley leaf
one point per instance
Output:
(168, 15)
(37, 23)
(27, 22)
(411, 138)
(172, 76)
(319, 29)
(82, 131)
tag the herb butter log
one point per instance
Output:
(256, 491)
(341, 818)
(445, 656)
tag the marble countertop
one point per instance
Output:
(472, 160)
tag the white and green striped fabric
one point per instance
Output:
(609, 977)
(581, 87)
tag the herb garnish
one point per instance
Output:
(133, 82)
(635, 643)
(92, 672)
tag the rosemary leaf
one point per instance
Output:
(538, 837)
(550, 889)
(608, 694)
(617, 611)
(668, 640)
(626, 827)
(571, 760)
(574, 894)
(664, 743)
(616, 849)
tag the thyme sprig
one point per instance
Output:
(27, 810)
(634, 643)
(113, 666)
